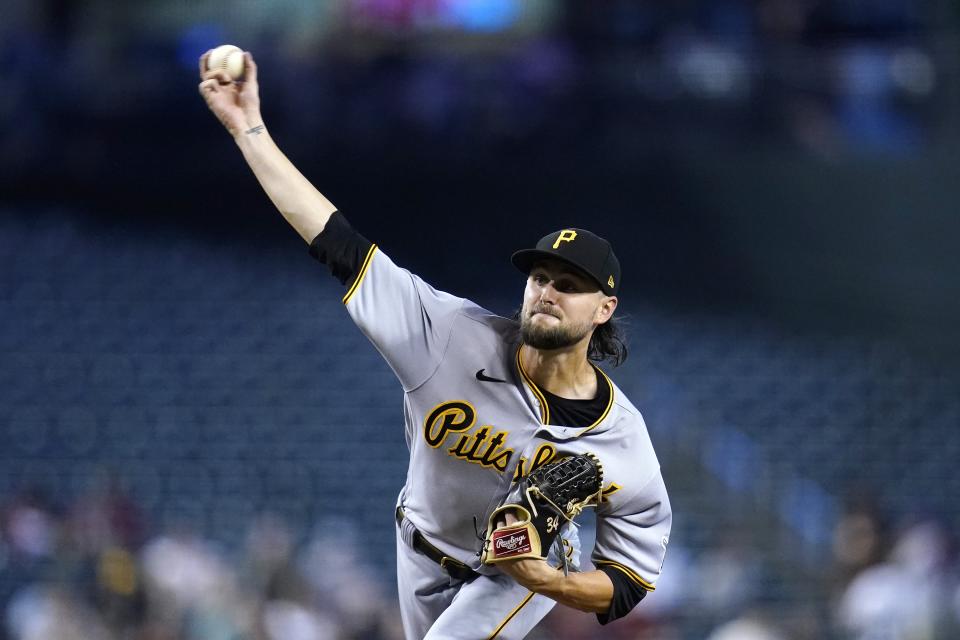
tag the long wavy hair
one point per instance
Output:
(608, 342)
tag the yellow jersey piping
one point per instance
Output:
(509, 617)
(360, 275)
(606, 411)
(544, 407)
(630, 573)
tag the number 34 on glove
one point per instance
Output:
(543, 502)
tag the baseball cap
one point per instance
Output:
(584, 250)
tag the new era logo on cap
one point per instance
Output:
(584, 250)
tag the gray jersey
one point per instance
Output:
(475, 423)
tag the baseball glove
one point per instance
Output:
(543, 502)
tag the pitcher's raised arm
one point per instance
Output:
(236, 104)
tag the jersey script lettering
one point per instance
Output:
(544, 454)
(611, 489)
(483, 445)
(478, 446)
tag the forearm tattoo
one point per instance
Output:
(257, 130)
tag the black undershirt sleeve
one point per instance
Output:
(626, 595)
(341, 248)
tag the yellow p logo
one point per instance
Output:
(567, 235)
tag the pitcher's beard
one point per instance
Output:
(555, 337)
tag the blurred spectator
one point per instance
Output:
(105, 516)
(729, 575)
(268, 565)
(285, 620)
(747, 627)
(858, 540)
(345, 584)
(905, 597)
(190, 587)
(39, 612)
(29, 527)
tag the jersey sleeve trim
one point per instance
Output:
(511, 615)
(627, 571)
(360, 274)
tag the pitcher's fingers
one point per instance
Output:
(249, 67)
(208, 86)
(203, 62)
(505, 519)
(219, 75)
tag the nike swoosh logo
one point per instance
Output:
(483, 378)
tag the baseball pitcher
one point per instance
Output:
(512, 428)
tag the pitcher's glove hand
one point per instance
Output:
(542, 503)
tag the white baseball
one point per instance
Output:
(229, 58)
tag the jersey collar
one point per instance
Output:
(545, 406)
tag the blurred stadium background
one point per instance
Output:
(197, 443)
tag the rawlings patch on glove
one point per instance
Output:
(543, 502)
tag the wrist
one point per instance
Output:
(535, 575)
(251, 137)
(250, 129)
(549, 581)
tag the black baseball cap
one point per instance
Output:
(584, 250)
